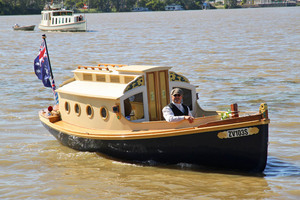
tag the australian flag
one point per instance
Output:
(41, 66)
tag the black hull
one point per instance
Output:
(248, 153)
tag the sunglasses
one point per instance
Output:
(177, 95)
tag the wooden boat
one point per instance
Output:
(55, 18)
(17, 27)
(116, 110)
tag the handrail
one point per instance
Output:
(105, 66)
(111, 65)
(93, 68)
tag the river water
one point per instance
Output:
(244, 56)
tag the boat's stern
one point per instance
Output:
(51, 113)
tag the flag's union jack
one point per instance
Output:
(41, 66)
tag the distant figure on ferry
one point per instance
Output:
(176, 111)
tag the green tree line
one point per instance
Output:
(22, 7)
(35, 6)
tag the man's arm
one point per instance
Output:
(190, 117)
(169, 115)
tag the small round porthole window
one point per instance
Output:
(104, 113)
(89, 111)
(67, 107)
(77, 109)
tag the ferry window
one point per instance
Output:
(56, 21)
(89, 111)
(77, 109)
(69, 19)
(187, 98)
(59, 20)
(63, 20)
(67, 107)
(104, 113)
(134, 107)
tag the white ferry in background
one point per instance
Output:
(140, 9)
(55, 18)
(173, 7)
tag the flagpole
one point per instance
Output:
(52, 77)
(44, 38)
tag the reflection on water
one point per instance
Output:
(244, 56)
(277, 168)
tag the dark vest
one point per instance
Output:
(177, 112)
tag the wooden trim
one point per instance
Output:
(166, 82)
(149, 95)
(158, 90)
(232, 121)
(157, 95)
(143, 134)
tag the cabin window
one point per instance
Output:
(101, 78)
(134, 107)
(87, 77)
(114, 79)
(128, 79)
(187, 97)
(77, 109)
(67, 107)
(104, 113)
(89, 111)
(63, 20)
(55, 20)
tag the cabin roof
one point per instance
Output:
(120, 69)
(94, 89)
(87, 83)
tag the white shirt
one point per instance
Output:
(169, 115)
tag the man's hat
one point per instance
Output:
(176, 91)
